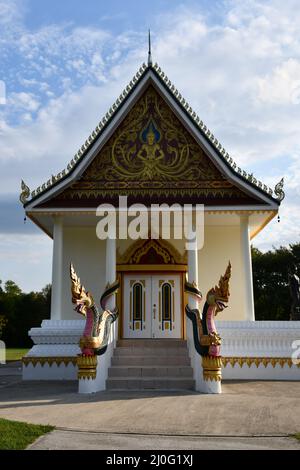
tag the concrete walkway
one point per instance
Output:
(70, 440)
(245, 409)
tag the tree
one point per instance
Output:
(12, 289)
(46, 292)
(22, 311)
(271, 283)
(3, 322)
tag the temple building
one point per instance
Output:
(150, 148)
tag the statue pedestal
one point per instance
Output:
(91, 374)
(213, 387)
(212, 373)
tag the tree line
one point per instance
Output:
(272, 298)
(21, 311)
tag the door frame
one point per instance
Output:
(151, 269)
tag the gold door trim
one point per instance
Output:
(151, 267)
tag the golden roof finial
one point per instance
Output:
(25, 193)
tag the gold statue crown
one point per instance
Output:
(77, 289)
(221, 291)
(79, 294)
(151, 132)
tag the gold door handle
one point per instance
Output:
(154, 311)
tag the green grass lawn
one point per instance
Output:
(15, 435)
(13, 354)
(297, 436)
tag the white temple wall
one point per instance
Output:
(87, 253)
(221, 244)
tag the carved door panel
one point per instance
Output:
(137, 306)
(166, 306)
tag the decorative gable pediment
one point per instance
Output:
(151, 156)
(152, 251)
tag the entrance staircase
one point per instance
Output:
(150, 364)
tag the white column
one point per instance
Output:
(247, 268)
(193, 274)
(111, 272)
(196, 359)
(111, 276)
(57, 269)
(192, 277)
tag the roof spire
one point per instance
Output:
(149, 51)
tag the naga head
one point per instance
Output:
(80, 297)
(219, 295)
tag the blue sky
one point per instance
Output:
(65, 62)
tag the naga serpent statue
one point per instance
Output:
(97, 327)
(206, 339)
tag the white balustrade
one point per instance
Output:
(259, 338)
(244, 339)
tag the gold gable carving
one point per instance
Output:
(164, 249)
(151, 154)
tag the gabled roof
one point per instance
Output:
(183, 110)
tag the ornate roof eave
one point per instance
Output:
(27, 197)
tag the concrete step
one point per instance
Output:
(150, 383)
(150, 351)
(150, 343)
(150, 371)
(150, 364)
(140, 360)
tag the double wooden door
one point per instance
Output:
(152, 306)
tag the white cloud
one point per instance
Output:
(27, 260)
(281, 233)
(11, 13)
(23, 101)
(35, 150)
(2, 93)
(282, 86)
(60, 41)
